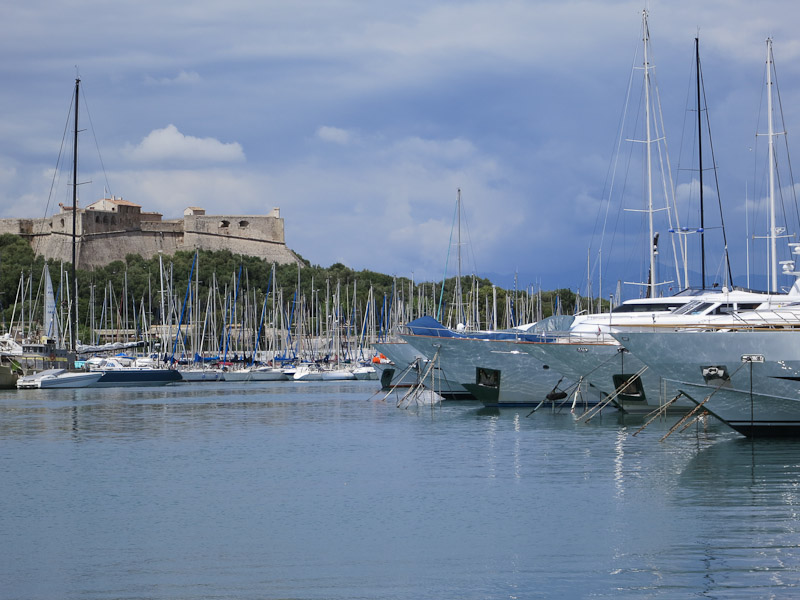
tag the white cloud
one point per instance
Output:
(334, 134)
(169, 144)
(218, 190)
(182, 78)
(428, 97)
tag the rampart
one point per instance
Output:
(110, 229)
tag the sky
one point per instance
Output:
(362, 120)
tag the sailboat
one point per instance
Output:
(48, 354)
(588, 352)
(523, 370)
(747, 375)
(111, 372)
(428, 341)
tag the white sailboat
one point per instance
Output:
(747, 374)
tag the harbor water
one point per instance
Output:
(329, 491)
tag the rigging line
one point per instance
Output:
(446, 262)
(780, 193)
(621, 207)
(55, 172)
(756, 203)
(716, 179)
(469, 240)
(94, 136)
(669, 193)
(786, 141)
(611, 173)
(693, 146)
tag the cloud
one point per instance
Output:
(455, 150)
(182, 78)
(334, 134)
(369, 116)
(7, 173)
(169, 144)
(218, 190)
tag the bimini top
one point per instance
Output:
(428, 326)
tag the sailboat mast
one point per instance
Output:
(700, 168)
(459, 296)
(74, 329)
(771, 159)
(646, 40)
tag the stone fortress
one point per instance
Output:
(112, 228)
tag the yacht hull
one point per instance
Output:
(133, 377)
(404, 371)
(748, 379)
(496, 372)
(608, 367)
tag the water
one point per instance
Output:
(320, 491)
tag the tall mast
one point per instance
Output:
(771, 159)
(651, 280)
(459, 298)
(700, 169)
(74, 329)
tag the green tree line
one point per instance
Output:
(141, 278)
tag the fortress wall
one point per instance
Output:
(17, 226)
(163, 227)
(56, 246)
(251, 227)
(269, 251)
(99, 250)
(108, 236)
(251, 235)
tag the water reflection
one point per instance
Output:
(169, 410)
(744, 495)
(316, 491)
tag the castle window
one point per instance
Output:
(113, 220)
(224, 223)
(97, 219)
(243, 224)
(62, 222)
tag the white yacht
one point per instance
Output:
(750, 379)
(589, 352)
(255, 373)
(490, 365)
(404, 365)
(58, 378)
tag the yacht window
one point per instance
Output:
(637, 308)
(747, 305)
(702, 308)
(688, 308)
